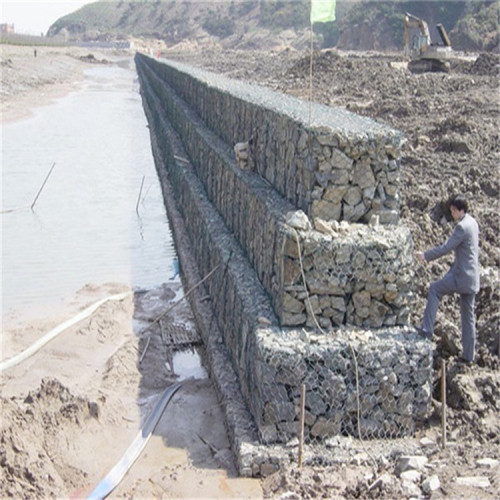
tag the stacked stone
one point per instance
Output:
(355, 274)
(343, 277)
(335, 165)
(355, 179)
(385, 380)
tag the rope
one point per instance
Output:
(356, 372)
(310, 75)
(305, 284)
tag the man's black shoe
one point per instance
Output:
(423, 333)
(465, 361)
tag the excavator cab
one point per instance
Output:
(423, 54)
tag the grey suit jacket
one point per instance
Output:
(465, 242)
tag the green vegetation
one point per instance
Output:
(219, 26)
(279, 14)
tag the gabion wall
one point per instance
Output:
(356, 383)
(345, 288)
(356, 274)
(336, 166)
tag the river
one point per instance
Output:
(92, 223)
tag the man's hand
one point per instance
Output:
(420, 256)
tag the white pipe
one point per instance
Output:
(33, 348)
(116, 474)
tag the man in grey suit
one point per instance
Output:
(462, 278)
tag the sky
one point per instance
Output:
(34, 17)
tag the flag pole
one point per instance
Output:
(310, 68)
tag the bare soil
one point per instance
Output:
(71, 411)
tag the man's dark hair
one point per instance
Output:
(459, 202)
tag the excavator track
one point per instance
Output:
(428, 66)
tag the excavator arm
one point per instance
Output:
(424, 55)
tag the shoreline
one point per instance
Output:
(30, 81)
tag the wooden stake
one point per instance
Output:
(443, 401)
(139, 197)
(145, 349)
(301, 423)
(40, 190)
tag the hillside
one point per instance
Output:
(267, 24)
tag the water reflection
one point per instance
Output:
(84, 227)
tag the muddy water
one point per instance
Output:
(89, 224)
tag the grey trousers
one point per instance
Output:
(447, 286)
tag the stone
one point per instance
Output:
(374, 220)
(358, 260)
(241, 150)
(431, 484)
(325, 210)
(334, 193)
(340, 177)
(323, 227)
(361, 299)
(338, 303)
(411, 489)
(362, 175)
(291, 273)
(290, 319)
(343, 255)
(488, 463)
(267, 469)
(473, 481)
(276, 412)
(315, 403)
(411, 462)
(354, 213)
(298, 220)
(411, 475)
(340, 161)
(427, 442)
(360, 459)
(268, 433)
(353, 196)
(384, 479)
(263, 321)
(388, 217)
(324, 428)
(292, 305)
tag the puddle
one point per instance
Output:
(187, 364)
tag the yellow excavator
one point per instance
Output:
(423, 54)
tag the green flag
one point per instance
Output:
(322, 11)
